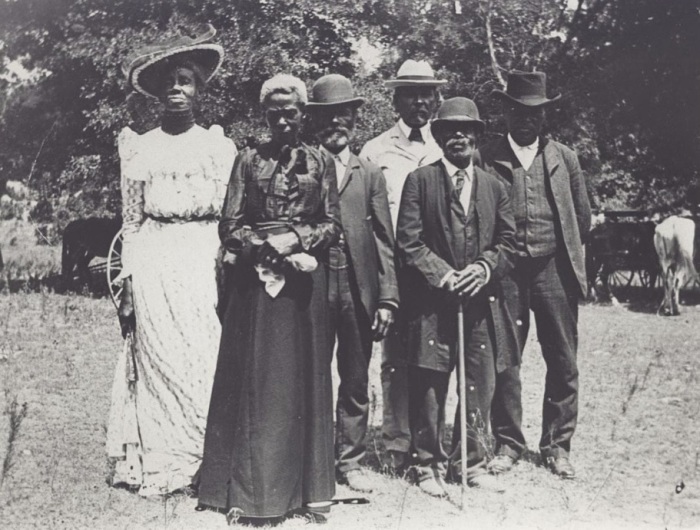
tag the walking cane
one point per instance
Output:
(462, 400)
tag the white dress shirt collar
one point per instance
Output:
(524, 153)
(452, 169)
(343, 157)
(424, 131)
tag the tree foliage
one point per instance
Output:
(628, 69)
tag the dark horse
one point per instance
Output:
(84, 240)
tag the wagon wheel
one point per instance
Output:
(649, 279)
(620, 279)
(114, 268)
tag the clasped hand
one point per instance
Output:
(276, 247)
(468, 281)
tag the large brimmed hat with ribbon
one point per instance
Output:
(414, 73)
(331, 90)
(526, 88)
(457, 111)
(145, 67)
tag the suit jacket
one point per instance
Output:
(426, 253)
(572, 207)
(394, 153)
(369, 235)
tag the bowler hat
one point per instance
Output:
(414, 73)
(143, 68)
(526, 88)
(457, 110)
(333, 89)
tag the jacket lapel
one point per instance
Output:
(401, 142)
(552, 161)
(353, 165)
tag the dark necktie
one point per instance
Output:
(416, 136)
(459, 183)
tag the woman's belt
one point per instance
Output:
(211, 217)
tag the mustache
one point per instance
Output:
(335, 129)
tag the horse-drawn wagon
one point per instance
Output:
(620, 253)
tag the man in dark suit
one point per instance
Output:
(455, 240)
(552, 215)
(363, 290)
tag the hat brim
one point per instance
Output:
(396, 83)
(437, 123)
(536, 101)
(354, 102)
(145, 77)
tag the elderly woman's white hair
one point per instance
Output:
(285, 84)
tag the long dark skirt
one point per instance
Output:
(269, 441)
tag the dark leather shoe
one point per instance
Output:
(313, 517)
(433, 487)
(357, 480)
(395, 463)
(486, 482)
(500, 464)
(560, 466)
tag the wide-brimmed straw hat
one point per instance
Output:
(526, 88)
(457, 110)
(143, 68)
(414, 73)
(331, 90)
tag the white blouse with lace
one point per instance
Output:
(176, 177)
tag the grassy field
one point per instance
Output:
(638, 436)
(636, 450)
(27, 265)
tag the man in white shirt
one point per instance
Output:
(406, 146)
(455, 239)
(363, 293)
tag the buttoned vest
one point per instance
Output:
(465, 231)
(533, 206)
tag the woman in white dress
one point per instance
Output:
(173, 184)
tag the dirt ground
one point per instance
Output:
(636, 450)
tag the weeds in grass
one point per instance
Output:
(634, 388)
(16, 414)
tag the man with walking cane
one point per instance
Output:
(455, 241)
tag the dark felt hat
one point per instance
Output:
(526, 88)
(457, 110)
(333, 89)
(143, 68)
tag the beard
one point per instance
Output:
(335, 139)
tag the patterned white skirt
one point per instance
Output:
(157, 423)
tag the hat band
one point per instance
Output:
(527, 96)
(415, 78)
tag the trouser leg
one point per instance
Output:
(506, 408)
(396, 432)
(427, 414)
(555, 304)
(480, 387)
(354, 352)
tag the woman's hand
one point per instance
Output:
(276, 247)
(127, 319)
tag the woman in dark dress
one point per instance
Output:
(268, 448)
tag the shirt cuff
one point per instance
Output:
(487, 269)
(388, 304)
